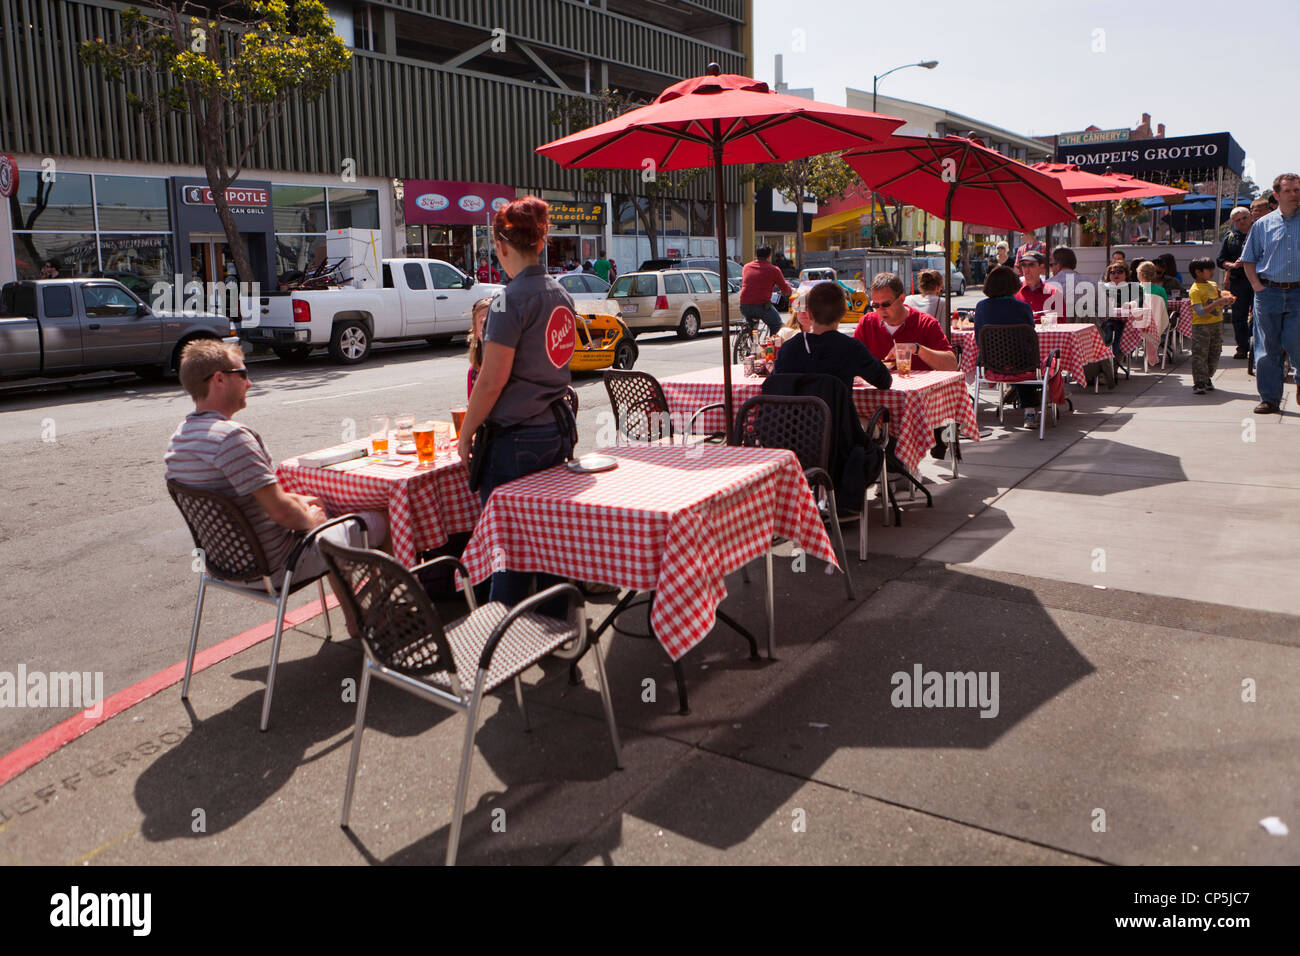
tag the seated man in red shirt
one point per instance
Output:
(892, 320)
(1034, 291)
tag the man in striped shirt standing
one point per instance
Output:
(212, 452)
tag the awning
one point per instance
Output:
(836, 220)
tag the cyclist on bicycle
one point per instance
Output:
(758, 280)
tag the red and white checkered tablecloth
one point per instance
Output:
(917, 404)
(425, 505)
(1080, 344)
(1132, 335)
(670, 518)
(1185, 317)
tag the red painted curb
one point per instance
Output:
(41, 746)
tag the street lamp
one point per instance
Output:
(875, 81)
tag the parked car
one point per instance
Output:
(955, 277)
(589, 292)
(54, 327)
(703, 263)
(684, 300)
(420, 299)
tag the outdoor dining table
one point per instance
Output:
(918, 404)
(425, 504)
(1080, 344)
(671, 519)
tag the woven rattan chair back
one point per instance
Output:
(640, 408)
(1008, 349)
(800, 424)
(221, 530)
(387, 610)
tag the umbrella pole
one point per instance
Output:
(947, 246)
(721, 219)
(1106, 264)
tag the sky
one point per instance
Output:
(1200, 67)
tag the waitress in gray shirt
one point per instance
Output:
(528, 339)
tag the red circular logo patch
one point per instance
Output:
(561, 335)
(8, 176)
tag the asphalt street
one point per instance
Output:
(97, 564)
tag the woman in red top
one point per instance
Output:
(892, 320)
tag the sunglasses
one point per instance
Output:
(241, 372)
(882, 306)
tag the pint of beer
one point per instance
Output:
(426, 449)
(458, 418)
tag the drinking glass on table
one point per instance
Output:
(426, 449)
(402, 427)
(378, 434)
(458, 418)
(442, 439)
(903, 357)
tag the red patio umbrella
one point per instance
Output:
(959, 177)
(719, 120)
(1082, 186)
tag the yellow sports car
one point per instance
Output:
(603, 342)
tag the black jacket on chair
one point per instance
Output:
(855, 461)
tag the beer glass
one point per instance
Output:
(458, 418)
(442, 439)
(425, 444)
(379, 434)
(903, 357)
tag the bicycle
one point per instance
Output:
(749, 339)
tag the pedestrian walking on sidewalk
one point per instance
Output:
(1271, 258)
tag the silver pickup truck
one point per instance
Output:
(54, 327)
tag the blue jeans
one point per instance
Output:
(766, 312)
(512, 455)
(1277, 329)
(1112, 330)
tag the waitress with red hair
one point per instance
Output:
(528, 339)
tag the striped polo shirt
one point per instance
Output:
(214, 453)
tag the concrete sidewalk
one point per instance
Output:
(1126, 579)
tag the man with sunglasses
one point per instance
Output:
(213, 452)
(891, 320)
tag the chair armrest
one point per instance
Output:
(818, 476)
(291, 562)
(465, 583)
(523, 607)
(690, 428)
(879, 418)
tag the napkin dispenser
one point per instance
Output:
(332, 456)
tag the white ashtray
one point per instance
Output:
(587, 464)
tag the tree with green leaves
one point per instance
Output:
(233, 67)
(823, 177)
(644, 187)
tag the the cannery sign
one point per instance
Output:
(1208, 152)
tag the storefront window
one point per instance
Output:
(626, 222)
(702, 218)
(131, 204)
(676, 221)
(299, 209)
(354, 208)
(415, 241)
(137, 261)
(73, 253)
(63, 204)
(298, 254)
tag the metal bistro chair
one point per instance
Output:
(1009, 355)
(232, 553)
(801, 424)
(406, 645)
(640, 409)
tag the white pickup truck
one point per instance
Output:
(420, 299)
